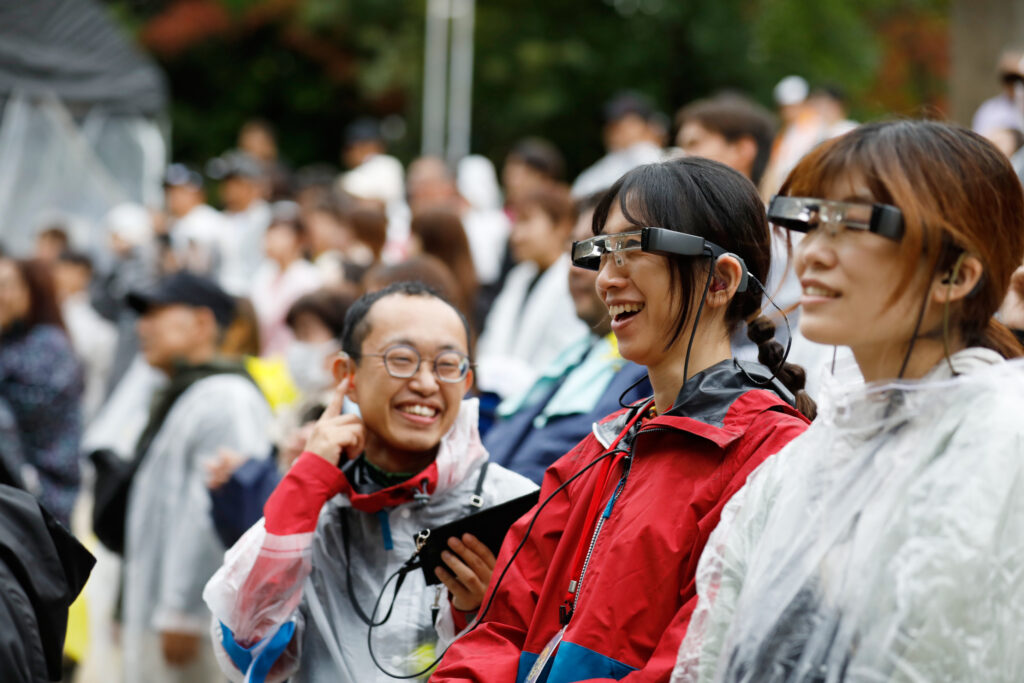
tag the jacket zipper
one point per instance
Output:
(627, 462)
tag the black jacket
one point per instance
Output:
(42, 570)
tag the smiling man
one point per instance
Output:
(296, 594)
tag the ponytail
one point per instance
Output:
(771, 354)
(998, 337)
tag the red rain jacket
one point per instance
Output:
(674, 474)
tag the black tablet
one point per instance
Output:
(490, 526)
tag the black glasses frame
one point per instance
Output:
(587, 253)
(465, 365)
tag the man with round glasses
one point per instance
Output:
(296, 595)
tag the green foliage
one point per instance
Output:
(541, 68)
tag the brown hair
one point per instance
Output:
(242, 336)
(958, 194)
(734, 117)
(442, 236)
(554, 201)
(43, 308)
(425, 269)
(370, 226)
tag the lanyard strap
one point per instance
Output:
(590, 519)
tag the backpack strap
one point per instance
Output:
(476, 501)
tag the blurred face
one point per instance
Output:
(181, 199)
(520, 180)
(535, 237)
(848, 281)
(698, 141)
(638, 296)
(171, 333)
(281, 244)
(625, 132)
(409, 414)
(310, 329)
(70, 278)
(238, 193)
(326, 233)
(583, 286)
(15, 298)
(49, 248)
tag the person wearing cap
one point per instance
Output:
(194, 226)
(132, 243)
(375, 177)
(170, 547)
(243, 189)
(631, 138)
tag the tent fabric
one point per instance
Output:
(72, 49)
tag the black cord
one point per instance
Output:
(789, 338)
(696, 319)
(913, 338)
(480, 616)
(630, 388)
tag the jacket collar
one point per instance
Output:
(716, 404)
(459, 453)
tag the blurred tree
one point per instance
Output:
(541, 67)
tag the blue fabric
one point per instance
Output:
(258, 668)
(526, 660)
(573, 663)
(518, 445)
(238, 504)
(385, 529)
(41, 385)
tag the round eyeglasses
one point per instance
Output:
(403, 362)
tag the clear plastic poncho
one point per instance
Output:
(884, 544)
(303, 578)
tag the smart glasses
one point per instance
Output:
(590, 252)
(804, 214)
(402, 362)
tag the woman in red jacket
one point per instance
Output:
(597, 583)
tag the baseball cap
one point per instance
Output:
(184, 287)
(179, 175)
(625, 104)
(235, 164)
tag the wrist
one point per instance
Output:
(294, 506)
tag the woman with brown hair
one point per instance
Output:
(439, 233)
(41, 387)
(885, 543)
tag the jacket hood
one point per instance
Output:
(717, 403)
(47, 562)
(460, 452)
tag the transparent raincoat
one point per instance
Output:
(884, 544)
(171, 548)
(301, 606)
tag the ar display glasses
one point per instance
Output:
(804, 214)
(588, 253)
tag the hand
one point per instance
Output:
(472, 563)
(179, 648)
(220, 468)
(335, 433)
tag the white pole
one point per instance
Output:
(460, 103)
(435, 74)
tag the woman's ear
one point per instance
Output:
(341, 367)
(959, 281)
(724, 281)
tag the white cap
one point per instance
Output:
(130, 222)
(478, 182)
(380, 177)
(790, 90)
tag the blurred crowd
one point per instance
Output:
(245, 273)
